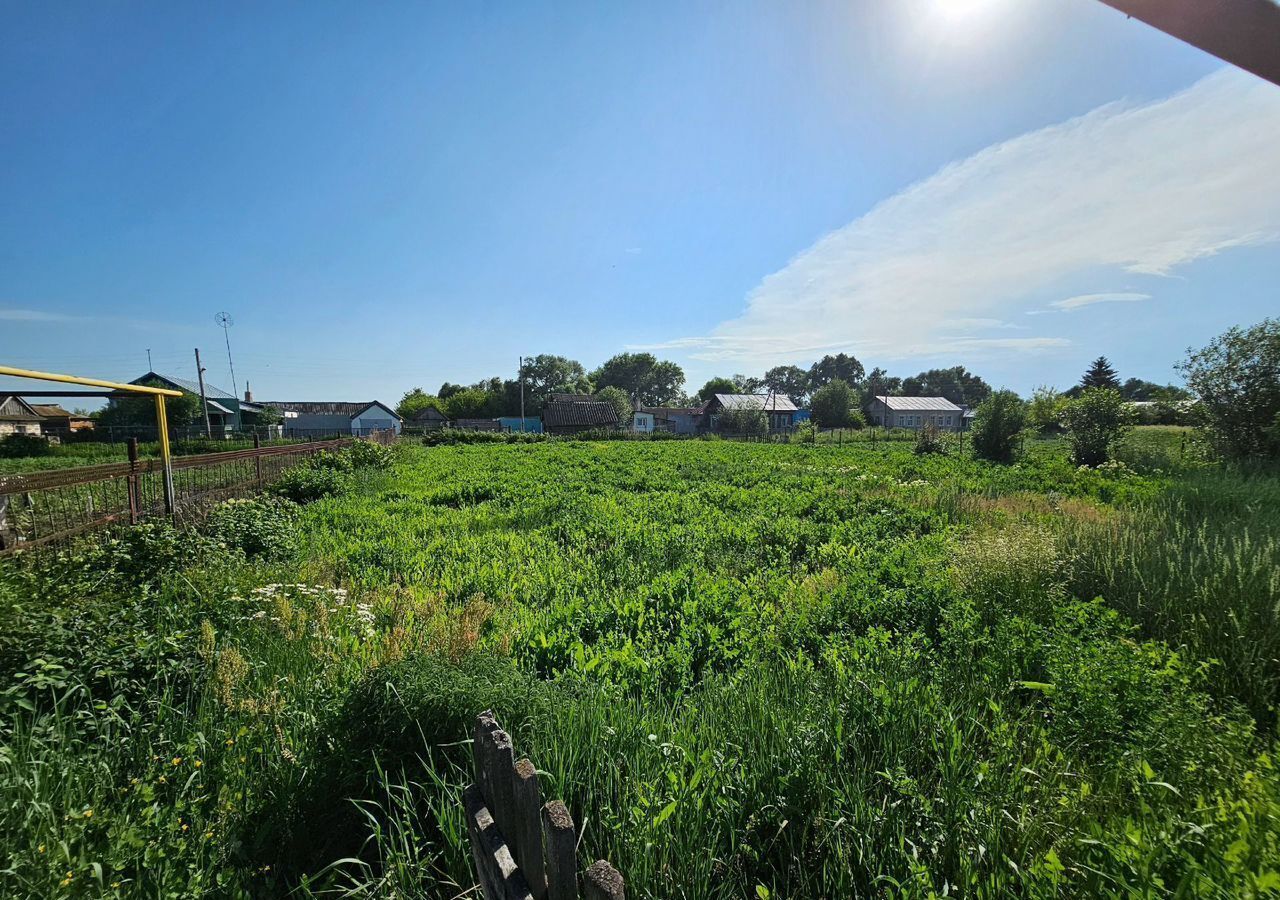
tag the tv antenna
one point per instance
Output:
(224, 319)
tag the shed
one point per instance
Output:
(574, 416)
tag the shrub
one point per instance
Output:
(996, 425)
(1044, 412)
(264, 527)
(17, 446)
(621, 403)
(368, 455)
(833, 405)
(308, 482)
(929, 440)
(743, 421)
(1237, 380)
(1096, 421)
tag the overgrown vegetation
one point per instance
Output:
(770, 670)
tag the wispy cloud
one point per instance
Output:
(38, 315)
(1083, 300)
(1126, 188)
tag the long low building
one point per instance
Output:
(915, 412)
(313, 418)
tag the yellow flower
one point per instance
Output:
(115, 884)
(177, 760)
(163, 780)
(185, 826)
(88, 814)
(198, 763)
(207, 835)
(40, 849)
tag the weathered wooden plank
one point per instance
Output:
(500, 877)
(528, 842)
(499, 776)
(561, 852)
(603, 882)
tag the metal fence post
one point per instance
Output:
(257, 458)
(131, 483)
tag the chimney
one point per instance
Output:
(248, 395)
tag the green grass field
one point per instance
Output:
(751, 670)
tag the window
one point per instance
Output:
(902, 420)
(948, 420)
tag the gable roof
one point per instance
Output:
(572, 398)
(14, 409)
(327, 407)
(428, 414)
(49, 411)
(559, 414)
(931, 404)
(211, 391)
(766, 402)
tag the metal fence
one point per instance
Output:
(45, 507)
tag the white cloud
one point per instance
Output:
(36, 315)
(1082, 300)
(1140, 189)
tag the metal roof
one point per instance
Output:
(929, 404)
(579, 414)
(766, 402)
(191, 387)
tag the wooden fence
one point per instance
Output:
(40, 508)
(524, 850)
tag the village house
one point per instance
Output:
(320, 418)
(226, 411)
(56, 421)
(428, 419)
(676, 419)
(779, 409)
(574, 413)
(915, 412)
(17, 416)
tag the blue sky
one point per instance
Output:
(390, 195)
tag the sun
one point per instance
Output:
(957, 11)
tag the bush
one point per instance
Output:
(833, 405)
(996, 425)
(1095, 421)
(368, 455)
(263, 527)
(743, 421)
(311, 481)
(1237, 380)
(929, 440)
(18, 446)
(1044, 412)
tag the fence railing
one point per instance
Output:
(45, 507)
(523, 849)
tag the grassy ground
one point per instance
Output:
(751, 670)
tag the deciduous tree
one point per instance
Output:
(1237, 381)
(642, 376)
(833, 405)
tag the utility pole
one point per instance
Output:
(149, 368)
(521, 376)
(204, 401)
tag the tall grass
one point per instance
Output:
(1199, 567)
